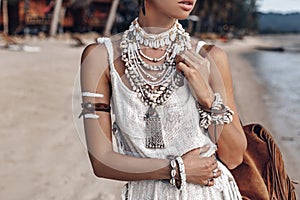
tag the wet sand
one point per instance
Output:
(41, 155)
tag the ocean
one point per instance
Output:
(279, 72)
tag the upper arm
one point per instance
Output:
(94, 72)
(95, 78)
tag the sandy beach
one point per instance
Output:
(41, 154)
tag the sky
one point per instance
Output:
(282, 6)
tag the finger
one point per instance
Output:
(199, 62)
(187, 69)
(219, 173)
(214, 164)
(194, 57)
(209, 162)
(214, 157)
(204, 149)
(213, 161)
(179, 58)
(209, 182)
(194, 152)
(216, 173)
(182, 68)
(188, 61)
(184, 58)
(188, 66)
(206, 183)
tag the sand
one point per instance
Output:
(41, 154)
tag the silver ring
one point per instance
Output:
(207, 184)
(214, 174)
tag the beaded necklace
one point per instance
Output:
(154, 83)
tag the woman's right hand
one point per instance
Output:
(200, 170)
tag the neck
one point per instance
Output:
(155, 21)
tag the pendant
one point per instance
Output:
(179, 79)
(154, 138)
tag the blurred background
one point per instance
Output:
(225, 18)
(42, 151)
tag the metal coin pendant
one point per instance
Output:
(179, 79)
(154, 138)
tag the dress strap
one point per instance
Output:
(110, 51)
(200, 44)
(207, 48)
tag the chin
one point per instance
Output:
(182, 16)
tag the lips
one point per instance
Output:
(186, 5)
(187, 2)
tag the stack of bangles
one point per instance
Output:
(177, 163)
(217, 114)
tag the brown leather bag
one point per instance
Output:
(262, 176)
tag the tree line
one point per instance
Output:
(235, 16)
(208, 16)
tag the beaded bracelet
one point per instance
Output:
(173, 172)
(217, 114)
(182, 173)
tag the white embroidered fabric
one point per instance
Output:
(181, 133)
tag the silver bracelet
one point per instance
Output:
(173, 172)
(225, 118)
(182, 173)
(217, 114)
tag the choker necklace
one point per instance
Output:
(154, 83)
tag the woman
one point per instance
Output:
(159, 89)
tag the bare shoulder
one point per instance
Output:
(220, 58)
(218, 54)
(94, 63)
(91, 49)
(212, 51)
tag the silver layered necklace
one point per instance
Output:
(154, 83)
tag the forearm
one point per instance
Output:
(116, 166)
(232, 144)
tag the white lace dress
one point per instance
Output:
(181, 133)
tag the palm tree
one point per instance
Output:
(55, 17)
(5, 17)
(111, 17)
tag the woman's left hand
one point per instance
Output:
(206, 76)
(196, 70)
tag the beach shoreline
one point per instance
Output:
(250, 94)
(41, 154)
